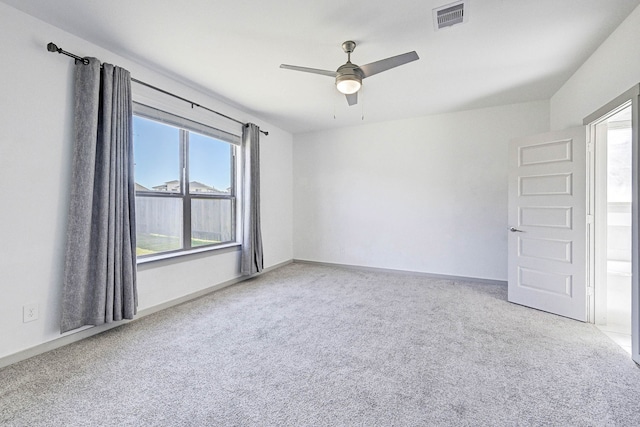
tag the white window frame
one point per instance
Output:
(185, 126)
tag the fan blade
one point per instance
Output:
(386, 64)
(309, 70)
(352, 99)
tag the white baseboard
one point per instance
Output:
(415, 273)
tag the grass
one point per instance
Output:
(153, 243)
(201, 242)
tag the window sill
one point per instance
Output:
(172, 255)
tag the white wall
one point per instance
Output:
(35, 152)
(612, 69)
(426, 194)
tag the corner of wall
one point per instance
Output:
(610, 71)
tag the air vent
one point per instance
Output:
(449, 15)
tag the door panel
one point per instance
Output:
(547, 221)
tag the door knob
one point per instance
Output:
(515, 230)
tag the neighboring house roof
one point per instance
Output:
(173, 185)
(200, 187)
(194, 187)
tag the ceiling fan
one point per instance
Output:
(349, 76)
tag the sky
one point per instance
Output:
(157, 156)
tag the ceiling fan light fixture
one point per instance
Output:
(348, 85)
(349, 78)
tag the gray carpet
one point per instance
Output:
(308, 345)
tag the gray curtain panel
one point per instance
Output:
(252, 262)
(100, 261)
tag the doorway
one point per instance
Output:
(552, 262)
(611, 231)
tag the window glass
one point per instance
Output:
(156, 153)
(168, 217)
(158, 225)
(211, 221)
(209, 165)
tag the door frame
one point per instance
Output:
(632, 95)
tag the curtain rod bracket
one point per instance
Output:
(261, 131)
(51, 47)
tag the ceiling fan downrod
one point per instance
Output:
(348, 47)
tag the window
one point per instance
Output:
(185, 183)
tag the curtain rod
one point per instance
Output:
(51, 47)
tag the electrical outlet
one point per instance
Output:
(29, 312)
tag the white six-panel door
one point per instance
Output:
(547, 223)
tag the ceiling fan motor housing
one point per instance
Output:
(349, 78)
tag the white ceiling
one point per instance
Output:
(509, 50)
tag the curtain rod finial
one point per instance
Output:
(51, 47)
